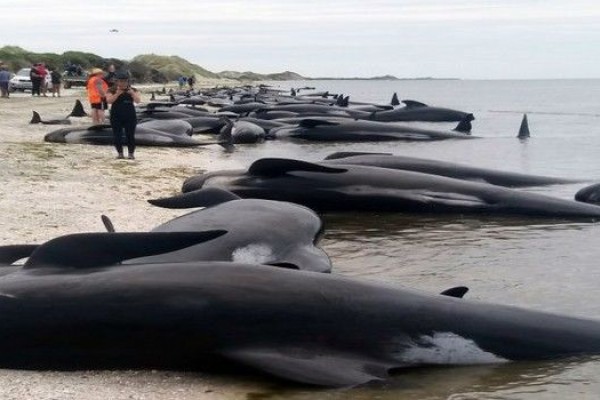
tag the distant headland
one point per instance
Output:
(156, 68)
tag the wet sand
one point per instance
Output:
(52, 189)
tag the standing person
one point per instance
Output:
(56, 80)
(36, 79)
(4, 79)
(96, 89)
(191, 82)
(43, 73)
(122, 98)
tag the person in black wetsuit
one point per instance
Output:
(122, 98)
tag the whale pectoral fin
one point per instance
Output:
(322, 369)
(198, 198)
(346, 154)
(107, 223)
(91, 250)
(414, 104)
(312, 123)
(14, 252)
(280, 166)
(458, 292)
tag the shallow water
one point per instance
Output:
(541, 264)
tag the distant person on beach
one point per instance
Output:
(56, 80)
(96, 89)
(122, 98)
(191, 81)
(4, 79)
(47, 82)
(182, 80)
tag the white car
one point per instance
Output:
(21, 81)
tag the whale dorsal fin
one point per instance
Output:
(458, 292)
(280, 166)
(312, 123)
(198, 198)
(524, 128)
(414, 104)
(92, 250)
(346, 154)
(395, 101)
(464, 126)
(35, 119)
(78, 110)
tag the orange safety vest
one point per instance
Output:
(92, 90)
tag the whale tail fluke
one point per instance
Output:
(465, 126)
(524, 129)
(78, 110)
(395, 101)
(36, 119)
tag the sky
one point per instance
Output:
(466, 39)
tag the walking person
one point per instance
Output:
(4, 79)
(96, 89)
(122, 98)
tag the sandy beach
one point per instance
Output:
(52, 189)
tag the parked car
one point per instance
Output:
(21, 81)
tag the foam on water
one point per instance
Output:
(447, 348)
(255, 253)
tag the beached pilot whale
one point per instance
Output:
(335, 188)
(258, 231)
(144, 136)
(74, 306)
(341, 129)
(444, 168)
(417, 111)
(37, 119)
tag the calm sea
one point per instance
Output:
(549, 265)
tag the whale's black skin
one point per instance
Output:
(332, 188)
(416, 111)
(338, 129)
(258, 231)
(244, 107)
(314, 109)
(102, 135)
(173, 126)
(243, 132)
(85, 310)
(589, 194)
(443, 168)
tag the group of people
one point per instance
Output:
(114, 88)
(44, 78)
(190, 80)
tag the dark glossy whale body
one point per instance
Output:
(416, 111)
(307, 327)
(258, 231)
(103, 135)
(330, 130)
(443, 168)
(327, 188)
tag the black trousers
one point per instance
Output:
(36, 84)
(127, 125)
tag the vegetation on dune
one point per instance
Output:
(143, 68)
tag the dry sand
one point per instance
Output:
(53, 189)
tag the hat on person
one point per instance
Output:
(95, 71)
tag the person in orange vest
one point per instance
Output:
(96, 90)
